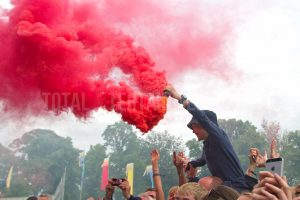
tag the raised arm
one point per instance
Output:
(109, 191)
(256, 160)
(200, 115)
(125, 187)
(179, 164)
(156, 175)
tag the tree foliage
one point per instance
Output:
(40, 156)
(290, 152)
(93, 161)
(243, 135)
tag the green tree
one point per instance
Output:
(122, 144)
(195, 151)
(45, 155)
(7, 160)
(271, 130)
(243, 136)
(19, 188)
(166, 144)
(93, 161)
(125, 147)
(290, 153)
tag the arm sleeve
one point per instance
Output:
(208, 125)
(199, 162)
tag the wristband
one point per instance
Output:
(182, 99)
(156, 174)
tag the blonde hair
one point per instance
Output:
(173, 191)
(192, 189)
(296, 190)
(222, 192)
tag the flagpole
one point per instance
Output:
(82, 165)
(82, 179)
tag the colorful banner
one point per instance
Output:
(9, 177)
(149, 172)
(105, 174)
(60, 190)
(129, 174)
(81, 158)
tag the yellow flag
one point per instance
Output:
(9, 176)
(129, 173)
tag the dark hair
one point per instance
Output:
(43, 195)
(32, 198)
(222, 192)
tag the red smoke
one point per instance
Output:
(62, 52)
(179, 35)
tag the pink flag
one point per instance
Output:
(105, 169)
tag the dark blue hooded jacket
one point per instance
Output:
(218, 152)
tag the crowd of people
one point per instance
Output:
(267, 185)
(227, 181)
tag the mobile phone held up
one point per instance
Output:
(117, 181)
(275, 165)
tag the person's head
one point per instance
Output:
(190, 191)
(245, 196)
(44, 197)
(149, 194)
(296, 192)
(32, 198)
(172, 192)
(198, 129)
(222, 192)
(210, 182)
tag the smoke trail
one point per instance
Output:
(180, 35)
(62, 52)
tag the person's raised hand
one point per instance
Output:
(272, 186)
(274, 153)
(256, 158)
(109, 190)
(253, 152)
(125, 187)
(154, 156)
(178, 160)
(174, 158)
(172, 91)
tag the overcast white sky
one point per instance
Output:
(267, 51)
